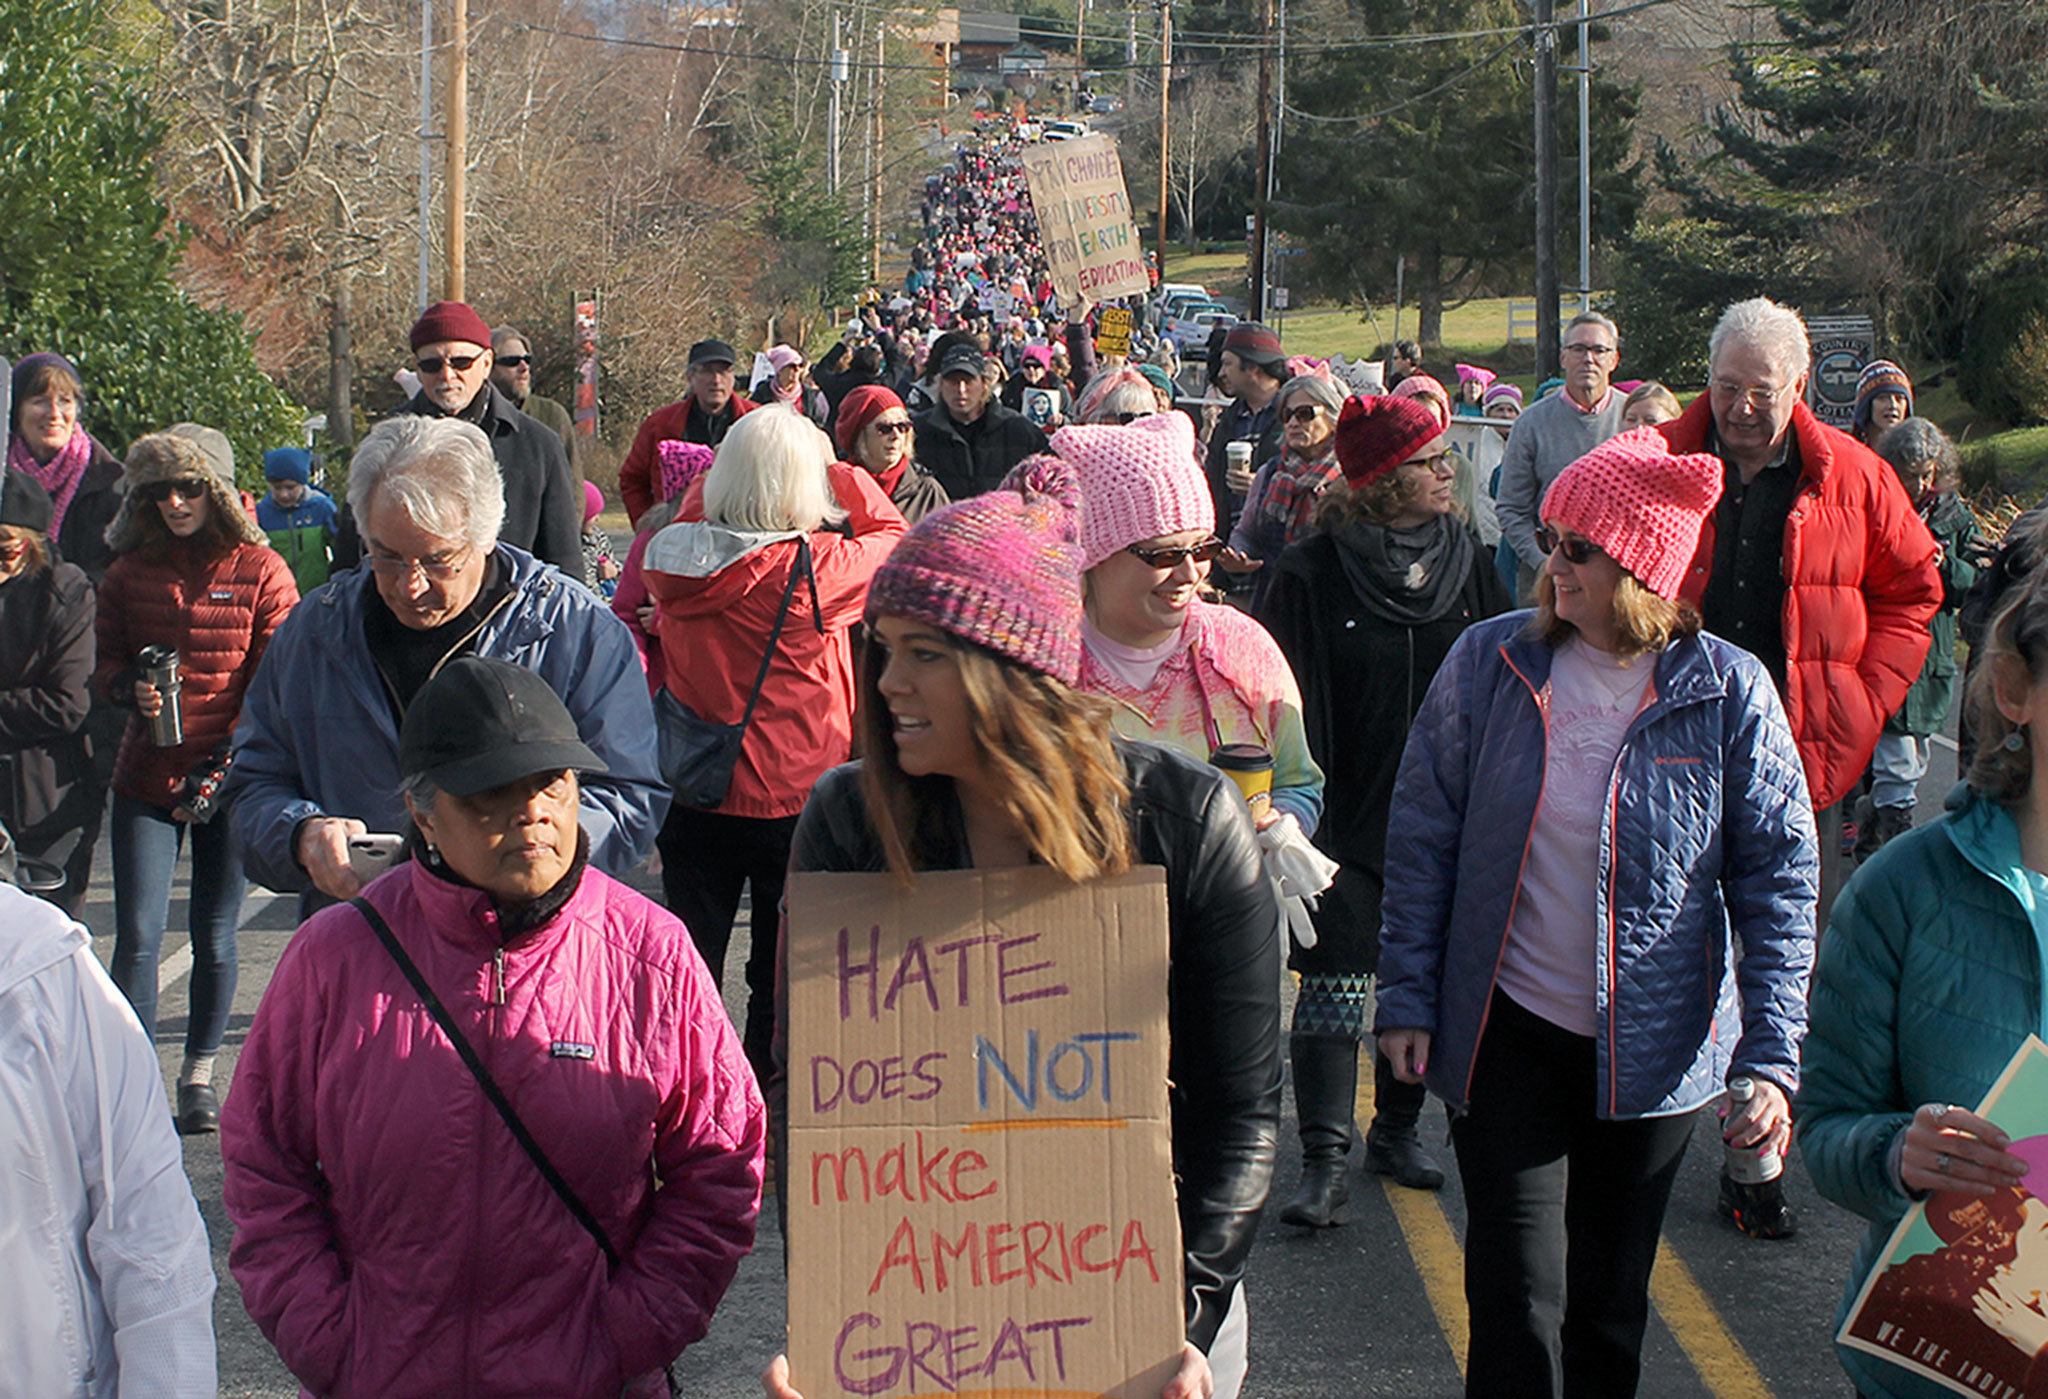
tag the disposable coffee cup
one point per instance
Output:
(159, 667)
(1251, 768)
(1237, 463)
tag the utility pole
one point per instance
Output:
(1546, 189)
(1585, 157)
(1165, 82)
(1130, 57)
(458, 143)
(839, 66)
(426, 152)
(1262, 176)
(877, 89)
(1080, 41)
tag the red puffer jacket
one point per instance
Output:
(1860, 589)
(392, 1239)
(220, 614)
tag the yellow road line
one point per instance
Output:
(1724, 1366)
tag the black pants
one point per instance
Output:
(1834, 872)
(1563, 1216)
(705, 859)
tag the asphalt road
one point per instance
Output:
(1370, 1309)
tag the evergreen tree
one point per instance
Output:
(821, 256)
(87, 262)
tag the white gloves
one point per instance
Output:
(1299, 872)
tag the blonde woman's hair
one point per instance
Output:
(771, 474)
(1048, 752)
(2015, 649)
(1644, 622)
(1657, 396)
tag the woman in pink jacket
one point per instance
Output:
(394, 1235)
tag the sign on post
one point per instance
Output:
(1113, 331)
(1842, 346)
(980, 1183)
(1084, 219)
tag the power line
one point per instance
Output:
(1446, 85)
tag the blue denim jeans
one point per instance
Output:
(146, 844)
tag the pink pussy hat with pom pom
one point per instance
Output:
(1002, 570)
(1138, 481)
(1641, 503)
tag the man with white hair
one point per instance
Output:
(317, 744)
(1816, 562)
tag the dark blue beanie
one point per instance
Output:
(288, 464)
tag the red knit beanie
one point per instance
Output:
(450, 320)
(1377, 434)
(1641, 503)
(856, 411)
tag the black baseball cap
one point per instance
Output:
(481, 723)
(712, 352)
(963, 359)
(24, 503)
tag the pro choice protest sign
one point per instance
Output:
(1084, 219)
(980, 1180)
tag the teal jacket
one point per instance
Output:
(1930, 977)
(1955, 529)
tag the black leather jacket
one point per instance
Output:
(1223, 994)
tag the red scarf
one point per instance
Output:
(890, 479)
(60, 476)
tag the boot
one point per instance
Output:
(1325, 1087)
(1862, 826)
(1393, 1145)
(1892, 821)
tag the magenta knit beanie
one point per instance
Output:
(1002, 570)
(1641, 503)
(1138, 481)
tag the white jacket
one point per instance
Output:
(106, 1281)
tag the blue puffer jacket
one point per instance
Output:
(1930, 977)
(1708, 826)
(317, 736)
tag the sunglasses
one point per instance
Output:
(893, 429)
(461, 364)
(187, 488)
(1306, 413)
(512, 361)
(1576, 551)
(1126, 419)
(1173, 557)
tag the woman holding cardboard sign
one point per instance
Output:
(981, 754)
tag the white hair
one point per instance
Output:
(439, 471)
(1762, 324)
(770, 474)
(1594, 318)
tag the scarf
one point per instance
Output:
(892, 478)
(60, 476)
(1297, 486)
(1407, 577)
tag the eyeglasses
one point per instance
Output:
(1126, 419)
(893, 429)
(461, 364)
(1173, 557)
(438, 566)
(1576, 551)
(509, 361)
(1306, 413)
(1753, 396)
(1444, 463)
(1594, 351)
(185, 488)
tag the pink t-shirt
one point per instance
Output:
(1549, 964)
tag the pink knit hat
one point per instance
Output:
(1642, 504)
(1427, 389)
(680, 464)
(1002, 570)
(1138, 481)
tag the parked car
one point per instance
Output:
(1177, 303)
(1064, 131)
(1190, 325)
(1103, 103)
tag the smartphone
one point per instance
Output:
(371, 855)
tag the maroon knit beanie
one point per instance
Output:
(856, 411)
(450, 320)
(1377, 434)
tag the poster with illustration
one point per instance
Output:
(1961, 1294)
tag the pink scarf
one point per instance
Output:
(60, 477)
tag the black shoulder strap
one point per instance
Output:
(484, 1079)
(801, 568)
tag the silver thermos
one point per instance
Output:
(159, 667)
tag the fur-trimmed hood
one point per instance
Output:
(173, 456)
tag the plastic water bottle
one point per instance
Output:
(1749, 1165)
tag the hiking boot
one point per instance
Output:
(1759, 1211)
(1393, 1144)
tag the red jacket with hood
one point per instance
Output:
(717, 590)
(1860, 590)
(639, 474)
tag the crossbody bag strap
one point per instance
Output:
(484, 1080)
(800, 568)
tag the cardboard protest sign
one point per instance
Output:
(980, 1186)
(1959, 1295)
(1113, 331)
(1481, 442)
(1084, 219)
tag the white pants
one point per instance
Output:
(1896, 769)
(1230, 1353)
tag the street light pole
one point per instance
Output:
(1262, 172)
(1165, 82)
(458, 145)
(426, 279)
(1546, 189)
(1585, 158)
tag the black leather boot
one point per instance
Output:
(1393, 1144)
(1325, 1088)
